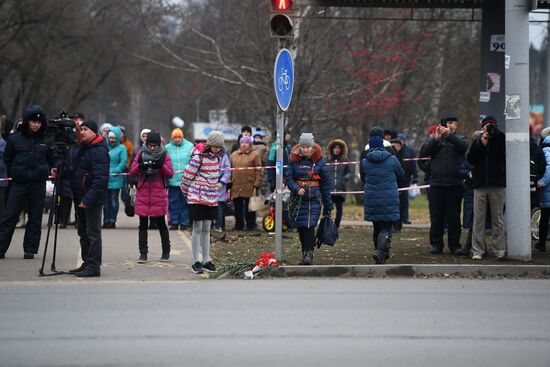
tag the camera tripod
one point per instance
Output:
(53, 215)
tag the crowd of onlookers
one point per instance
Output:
(191, 184)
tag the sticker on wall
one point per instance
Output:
(493, 82)
(484, 97)
(507, 61)
(513, 107)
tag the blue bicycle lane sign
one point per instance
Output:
(283, 78)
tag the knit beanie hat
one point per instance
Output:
(306, 139)
(545, 132)
(144, 131)
(177, 133)
(488, 120)
(376, 131)
(215, 139)
(246, 139)
(258, 132)
(376, 142)
(153, 137)
(90, 124)
(105, 126)
(110, 134)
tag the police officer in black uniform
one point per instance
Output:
(29, 160)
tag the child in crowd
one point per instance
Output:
(200, 184)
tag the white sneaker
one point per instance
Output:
(476, 257)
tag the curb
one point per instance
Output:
(408, 270)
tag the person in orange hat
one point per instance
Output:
(179, 150)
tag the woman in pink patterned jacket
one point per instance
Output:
(152, 166)
(200, 184)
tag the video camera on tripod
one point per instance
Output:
(62, 130)
(61, 134)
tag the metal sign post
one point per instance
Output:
(283, 83)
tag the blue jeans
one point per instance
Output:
(220, 217)
(110, 209)
(177, 206)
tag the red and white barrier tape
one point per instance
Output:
(362, 192)
(259, 167)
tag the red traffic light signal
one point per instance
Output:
(281, 18)
(281, 5)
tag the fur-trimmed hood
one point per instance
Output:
(315, 156)
(340, 142)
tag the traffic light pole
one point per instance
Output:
(279, 177)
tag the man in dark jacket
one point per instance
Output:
(29, 161)
(446, 150)
(488, 156)
(88, 168)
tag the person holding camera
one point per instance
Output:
(446, 149)
(153, 167)
(29, 161)
(488, 157)
(88, 169)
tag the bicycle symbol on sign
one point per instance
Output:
(284, 80)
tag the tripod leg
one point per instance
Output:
(50, 221)
(54, 214)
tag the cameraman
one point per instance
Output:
(488, 156)
(29, 161)
(88, 168)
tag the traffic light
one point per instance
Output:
(282, 18)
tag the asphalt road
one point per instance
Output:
(290, 322)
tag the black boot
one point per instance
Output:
(142, 242)
(165, 240)
(303, 259)
(308, 257)
(379, 255)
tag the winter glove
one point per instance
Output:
(327, 210)
(157, 164)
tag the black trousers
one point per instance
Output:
(380, 227)
(445, 203)
(89, 230)
(160, 223)
(21, 196)
(242, 214)
(339, 205)
(307, 238)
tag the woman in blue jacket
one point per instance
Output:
(118, 156)
(380, 170)
(308, 180)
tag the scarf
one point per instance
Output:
(148, 155)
